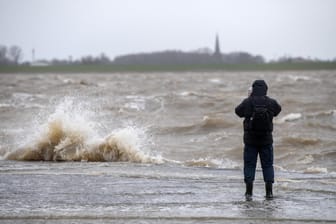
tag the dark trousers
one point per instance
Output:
(250, 162)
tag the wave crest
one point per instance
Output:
(207, 123)
(212, 163)
(289, 117)
(301, 141)
(314, 170)
(72, 138)
(59, 145)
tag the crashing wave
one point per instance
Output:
(68, 136)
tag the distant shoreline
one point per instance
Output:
(117, 68)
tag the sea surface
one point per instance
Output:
(161, 148)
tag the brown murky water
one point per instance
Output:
(161, 147)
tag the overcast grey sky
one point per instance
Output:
(272, 28)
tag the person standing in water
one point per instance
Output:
(258, 111)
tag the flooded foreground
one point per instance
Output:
(44, 192)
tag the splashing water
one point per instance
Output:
(69, 135)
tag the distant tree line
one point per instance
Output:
(13, 56)
(164, 58)
(187, 58)
(86, 60)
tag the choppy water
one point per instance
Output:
(161, 147)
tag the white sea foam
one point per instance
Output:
(277, 167)
(289, 117)
(323, 113)
(299, 78)
(188, 93)
(5, 105)
(213, 163)
(135, 103)
(306, 160)
(215, 81)
(314, 169)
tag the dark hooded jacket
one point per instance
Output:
(245, 110)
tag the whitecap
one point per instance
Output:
(313, 170)
(212, 163)
(215, 81)
(306, 160)
(297, 78)
(187, 93)
(5, 105)
(289, 117)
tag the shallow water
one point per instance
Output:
(161, 147)
(126, 193)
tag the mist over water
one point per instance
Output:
(165, 128)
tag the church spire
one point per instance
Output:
(217, 49)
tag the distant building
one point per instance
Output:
(217, 52)
(39, 63)
(203, 57)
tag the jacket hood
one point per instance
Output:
(259, 88)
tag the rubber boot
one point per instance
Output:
(249, 190)
(269, 190)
